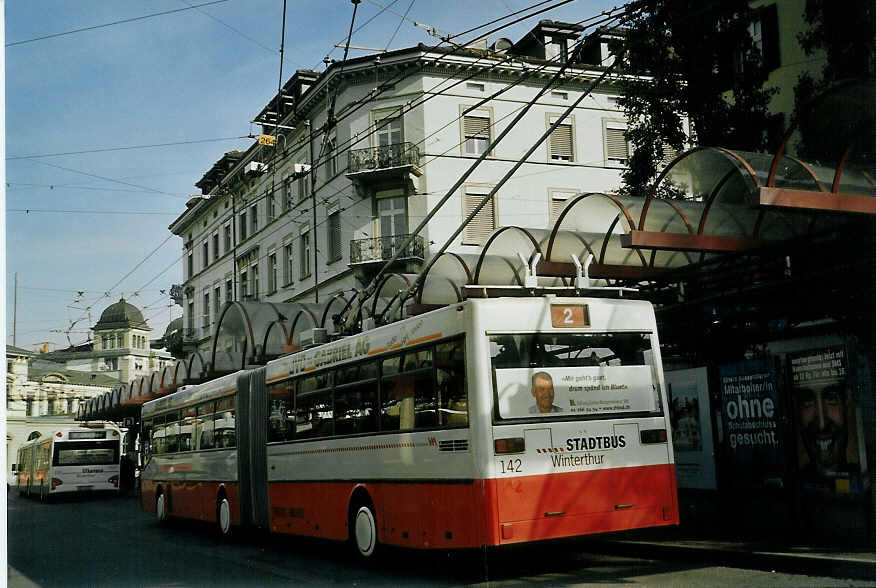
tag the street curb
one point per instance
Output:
(847, 565)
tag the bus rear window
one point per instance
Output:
(80, 454)
(540, 375)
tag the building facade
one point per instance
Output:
(323, 209)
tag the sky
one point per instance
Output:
(85, 229)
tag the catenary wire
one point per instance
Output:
(109, 24)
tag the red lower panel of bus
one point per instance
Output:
(532, 508)
(485, 512)
(411, 514)
(191, 500)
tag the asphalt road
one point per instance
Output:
(110, 542)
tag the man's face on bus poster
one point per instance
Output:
(823, 426)
(543, 392)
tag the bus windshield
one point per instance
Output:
(85, 453)
(543, 375)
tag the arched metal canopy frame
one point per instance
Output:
(462, 264)
(514, 268)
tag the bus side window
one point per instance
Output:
(425, 396)
(146, 439)
(450, 373)
(314, 415)
(158, 436)
(225, 432)
(281, 419)
(205, 426)
(355, 409)
(396, 399)
(171, 433)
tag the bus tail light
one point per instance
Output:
(114, 481)
(510, 445)
(653, 436)
(56, 482)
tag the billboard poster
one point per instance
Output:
(691, 428)
(826, 418)
(751, 414)
(590, 390)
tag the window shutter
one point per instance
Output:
(561, 143)
(557, 207)
(481, 226)
(558, 202)
(616, 145)
(476, 126)
(668, 155)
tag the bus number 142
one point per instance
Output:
(511, 466)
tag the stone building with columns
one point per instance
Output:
(44, 390)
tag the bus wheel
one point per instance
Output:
(223, 516)
(364, 531)
(161, 507)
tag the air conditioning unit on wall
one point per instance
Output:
(255, 168)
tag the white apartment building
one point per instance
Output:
(321, 210)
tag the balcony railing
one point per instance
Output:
(374, 158)
(385, 248)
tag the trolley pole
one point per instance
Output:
(15, 311)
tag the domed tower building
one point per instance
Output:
(121, 343)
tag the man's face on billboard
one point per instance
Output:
(823, 425)
(543, 391)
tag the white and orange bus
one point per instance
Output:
(488, 422)
(84, 458)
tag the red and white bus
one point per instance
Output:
(489, 422)
(84, 458)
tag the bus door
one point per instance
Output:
(252, 448)
(580, 439)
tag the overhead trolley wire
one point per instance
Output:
(109, 24)
(315, 163)
(99, 177)
(351, 108)
(125, 148)
(325, 199)
(523, 77)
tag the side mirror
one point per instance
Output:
(13, 468)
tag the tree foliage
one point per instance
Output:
(694, 59)
(844, 33)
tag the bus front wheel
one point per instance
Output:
(364, 531)
(223, 516)
(161, 507)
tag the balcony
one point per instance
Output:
(388, 166)
(382, 249)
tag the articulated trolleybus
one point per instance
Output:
(83, 458)
(488, 422)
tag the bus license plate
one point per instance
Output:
(83, 488)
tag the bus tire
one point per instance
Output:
(363, 531)
(223, 517)
(161, 507)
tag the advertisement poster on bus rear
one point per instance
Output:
(689, 416)
(751, 417)
(827, 421)
(528, 392)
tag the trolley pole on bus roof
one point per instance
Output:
(15, 311)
